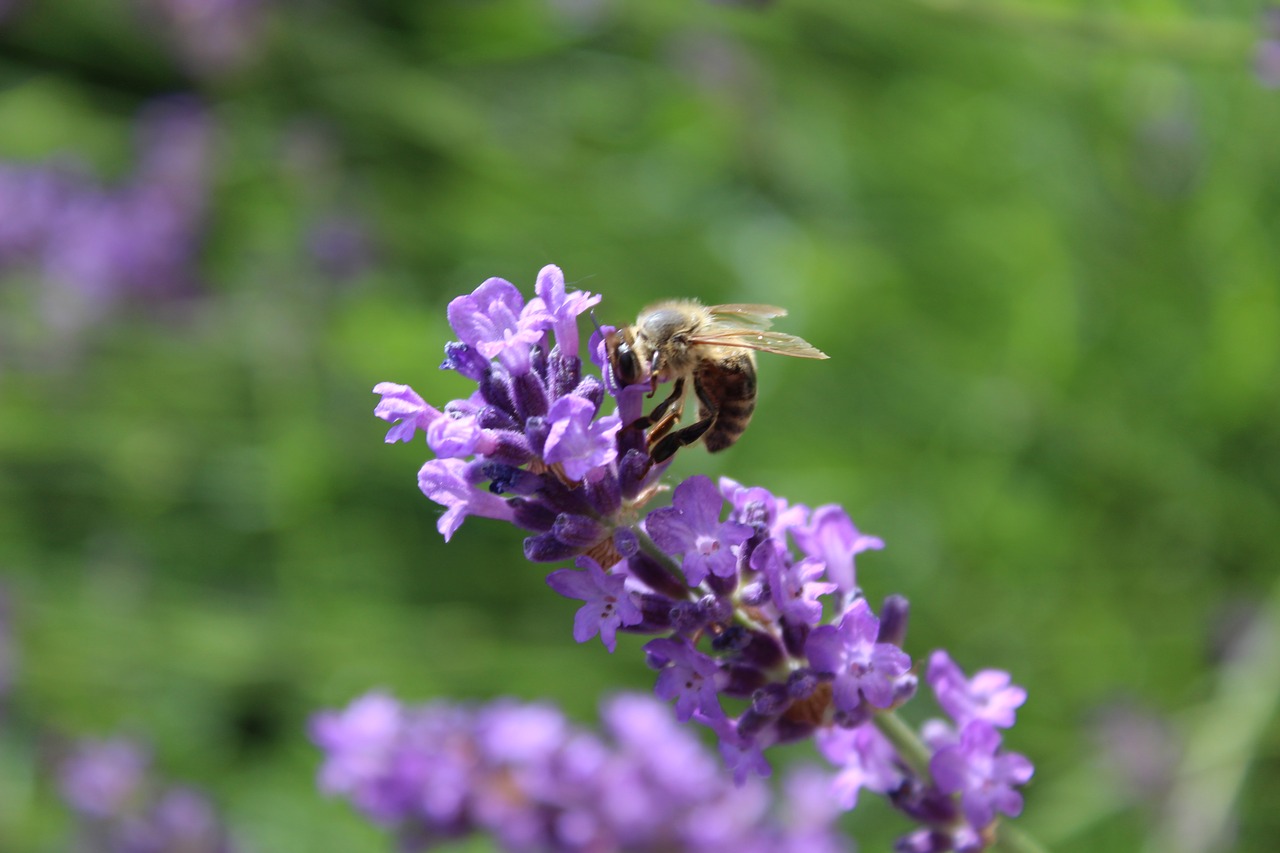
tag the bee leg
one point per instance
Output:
(667, 447)
(669, 444)
(663, 416)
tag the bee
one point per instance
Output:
(713, 348)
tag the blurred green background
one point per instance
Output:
(1040, 242)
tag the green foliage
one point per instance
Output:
(1038, 245)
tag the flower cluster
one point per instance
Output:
(94, 246)
(121, 808)
(761, 630)
(522, 774)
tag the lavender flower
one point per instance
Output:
(737, 616)
(608, 606)
(523, 775)
(983, 777)
(93, 246)
(863, 669)
(988, 696)
(691, 528)
(108, 784)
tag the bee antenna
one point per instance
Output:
(596, 322)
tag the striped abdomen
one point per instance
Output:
(729, 386)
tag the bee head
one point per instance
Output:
(626, 364)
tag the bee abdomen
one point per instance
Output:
(731, 422)
(731, 385)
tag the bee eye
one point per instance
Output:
(626, 366)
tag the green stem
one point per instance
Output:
(1010, 839)
(905, 741)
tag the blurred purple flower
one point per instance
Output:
(523, 775)
(95, 246)
(866, 760)
(103, 778)
(832, 537)
(983, 776)
(988, 696)
(123, 808)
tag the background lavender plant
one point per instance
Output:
(122, 808)
(524, 776)
(1036, 240)
(93, 246)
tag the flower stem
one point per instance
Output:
(910, 748)
(1010, 839)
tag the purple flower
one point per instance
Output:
(564, 308)
(794, 587)
(523, 775)
(608, 604)
(445, 482)
(458, 434)
(122, 808)
(762, 509)
(363, 745)
(988, 696)
(866, 760)
(743, 757)
(686, 675)
(691, 527)
(102, 779)
(982, 775)
(862, 667)
(404, 409)
(495, 320)
(576, 442)
(832, 538)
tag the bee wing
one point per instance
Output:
(759, 339)
(743, 314)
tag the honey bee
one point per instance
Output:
(681, 340)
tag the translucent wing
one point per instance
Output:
(759, 339)
(741, 314)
